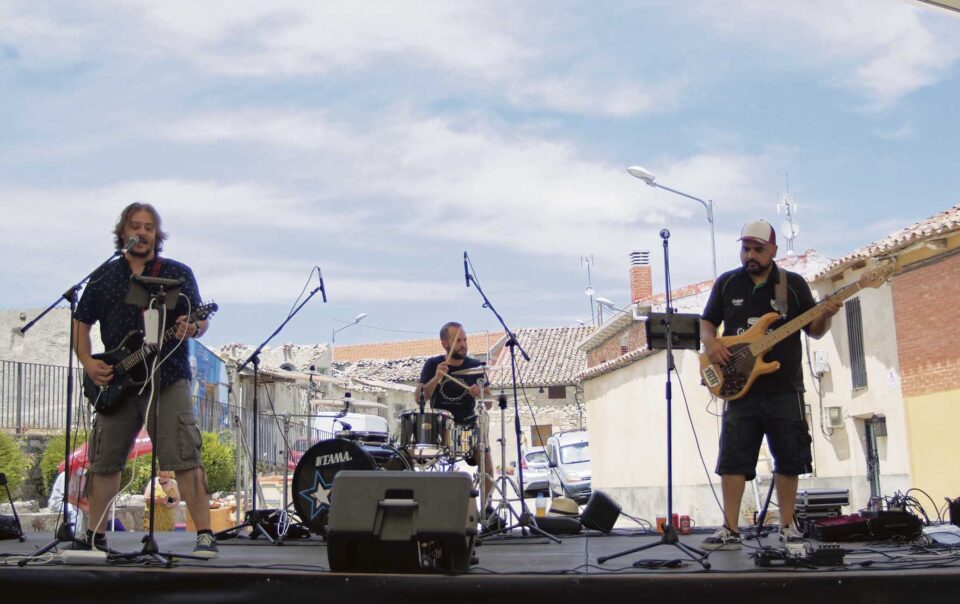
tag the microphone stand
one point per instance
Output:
(254, 518)
(670, 536)
(526, 520)
(65, 532)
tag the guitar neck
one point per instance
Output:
(138, 356)
(787, 329)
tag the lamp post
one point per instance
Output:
(333, 333)
(648, 177)
(605, 303)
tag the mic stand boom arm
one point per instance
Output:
(526, 519)
(253, 517)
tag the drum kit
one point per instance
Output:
(429, 440)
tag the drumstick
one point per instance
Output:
(449, 356)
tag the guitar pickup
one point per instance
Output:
(710, 377)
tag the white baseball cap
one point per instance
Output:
(759, 230)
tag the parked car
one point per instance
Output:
(568, 455)
(536, 472)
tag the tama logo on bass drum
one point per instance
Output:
(333, 458)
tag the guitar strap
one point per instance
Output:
(780, 293)
(155, 270)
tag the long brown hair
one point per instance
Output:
(129, 211)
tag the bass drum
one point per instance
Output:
(313, 477)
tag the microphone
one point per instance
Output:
(134, 240)
(466, 271)
(665, 234)
(323, 290)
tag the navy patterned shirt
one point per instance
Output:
(103, 301)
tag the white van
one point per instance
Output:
(568, 455)
(330, 423)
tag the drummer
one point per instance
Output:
(451, 396)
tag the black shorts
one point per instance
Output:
(781, 417)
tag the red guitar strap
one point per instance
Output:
(155, 270)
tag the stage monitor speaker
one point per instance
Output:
(403, 522)
(601, 512)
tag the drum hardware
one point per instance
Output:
(503, 512)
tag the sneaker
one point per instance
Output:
(722, 537)
(206, 546)
(83, 543)
(790, 534)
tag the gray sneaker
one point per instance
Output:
(206, 546)
(722, 537)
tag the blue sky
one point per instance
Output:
(381, 140)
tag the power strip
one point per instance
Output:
(84, 557)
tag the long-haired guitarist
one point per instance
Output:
(774, 404)
(114, 433)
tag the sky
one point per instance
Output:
(379, 141)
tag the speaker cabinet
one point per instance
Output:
(601, 512)
(403, 522)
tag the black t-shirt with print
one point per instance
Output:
(450, 396)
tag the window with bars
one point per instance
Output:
(858, 363)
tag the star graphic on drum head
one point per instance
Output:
(317, 495)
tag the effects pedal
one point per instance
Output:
(796, 549)
(827, 554)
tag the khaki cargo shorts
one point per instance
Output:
(114, 435)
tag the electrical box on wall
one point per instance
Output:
(833, 416)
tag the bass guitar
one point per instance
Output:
(733, 380)
(131, 365)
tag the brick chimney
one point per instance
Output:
(641, 277)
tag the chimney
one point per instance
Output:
(641, 277)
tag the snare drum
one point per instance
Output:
(426, 435)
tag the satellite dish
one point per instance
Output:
(790, 229)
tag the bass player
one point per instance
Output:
(774, 405)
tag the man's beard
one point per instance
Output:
(755, 268)
(135, 253)
(458, 355)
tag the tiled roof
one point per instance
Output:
(555, 358)
(300, 356)
(395, 371)
(933, 227)
(622, 361)
(479, 342)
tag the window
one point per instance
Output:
(858, 365)
(556, 392)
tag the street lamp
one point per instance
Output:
(333, 333)
(605, 303)
(648, 177)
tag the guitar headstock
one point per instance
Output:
(205, 311)
(877, 276)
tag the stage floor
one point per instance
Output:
(512, 567)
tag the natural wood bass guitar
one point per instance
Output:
(746, 364)
(130, 361)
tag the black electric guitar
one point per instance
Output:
(131, 362)
(733, 380)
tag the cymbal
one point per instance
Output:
(471, 371)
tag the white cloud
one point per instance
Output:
(886, 49)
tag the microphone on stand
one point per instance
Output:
(466, 271)
(323, 290)
(133, 241)
(665, 234)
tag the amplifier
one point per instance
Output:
(822, 498)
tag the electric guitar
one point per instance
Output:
(131, 362)
(746, 364)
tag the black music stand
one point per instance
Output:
(154, 293)
(661, 335)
